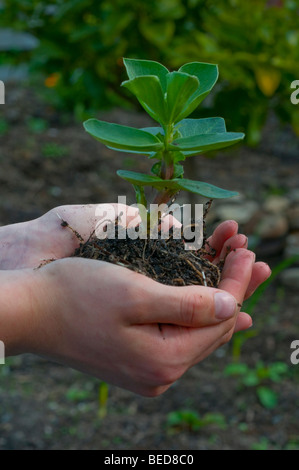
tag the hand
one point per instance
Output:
(116, 324)
(226, 238)
(125, 328)
(31, 243)
(28, 244)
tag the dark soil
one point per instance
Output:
(46, 406)
(164, 259)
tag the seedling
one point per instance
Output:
(168, 97)
(255, 377)
(190, 420)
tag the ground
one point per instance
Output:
(48, 160)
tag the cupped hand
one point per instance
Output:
(116, 324)
(33, 243)
(29, 244)
(127, 329)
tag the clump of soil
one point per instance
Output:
(163, 259)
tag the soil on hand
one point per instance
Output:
(164, 259)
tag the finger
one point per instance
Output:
(260, 273)
(168, 221)
(199, 343)
(214, 336)
(223, 232)
(236, 241)
(243, 322)
(189, 306)
(237, 273)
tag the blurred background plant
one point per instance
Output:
(77, 46)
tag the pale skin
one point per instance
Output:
(106, 320)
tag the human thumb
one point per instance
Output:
(190, 306)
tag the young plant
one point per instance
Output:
(168, 97)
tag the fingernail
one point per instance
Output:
(245, 243)
(225, 306)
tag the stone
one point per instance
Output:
(241, 212)
(294, 195)
(276, 204)
(292, 245)
(293, 216)
(290, 278)
(272, 226)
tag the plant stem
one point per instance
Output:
(167, 166)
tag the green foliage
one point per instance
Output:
(76, 394)
(81, 44)
(53, 150)
(190, 420)
(4, 127)
(267, 397)
(262, 444)
(168, 97)
(37, 125)
(103, 395)
(256, 46)
(257, 376)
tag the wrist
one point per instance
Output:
(12, 237)
(21, 313)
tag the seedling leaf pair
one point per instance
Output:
(168, 97)
(176, 184)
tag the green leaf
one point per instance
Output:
(277, 370)
(204, 189)
(189, 127)
(214, 418)
(147, 180)
(177, 156)
(182, 418)
(267, 397)
(137, 68)
(122, 137)
(198, 187)
(180, 86)
(154, 130)
(236, 369)
(207, 75)
(206, 142)
(148, 91)
(251, 379)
